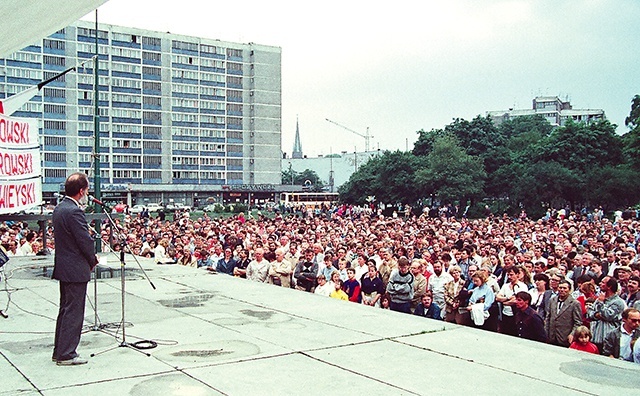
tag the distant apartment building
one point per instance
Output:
(181, 118)
(553, 109)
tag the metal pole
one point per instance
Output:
(96, 128)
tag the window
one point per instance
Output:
(152, 145)
(150, 85)
(155, 41)
(55, 173)
(123, 98)
(183, 45)
(152, 115)
(52, 124)
(125, 67)
(125, 52)
(54, 93)
(125, 128)
(54, 60)
(56, 109)
(55, 141)
(53, 44)
(234, 67)
(55, 157)
(151, 56)
(209, 49)
(103, 34)
(25, 73)
(152, 175)
(234, 52)
(154, 71)
(152, 100)
(26, 57)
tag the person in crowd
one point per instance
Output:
(240, 269)
(258, 268)
(507, 296)
(481, 299)
(187, 259)
(563, 316)
(452, 297)
(436, 283)
(605, 313)
(306, 272)
(227, 264)
(371, 287)
(400, 287)
(337, 292)
(582, 341)
(419, 283)
(351, 286)
(619, 342)
(324, 288)
(529, 324)
(427, 309)
(541, 294)
(280, 270)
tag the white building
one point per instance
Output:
(552, 109)
(180, 117)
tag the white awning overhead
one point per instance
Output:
(25, 22)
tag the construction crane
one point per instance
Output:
(366, 136)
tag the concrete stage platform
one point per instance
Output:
(217, 334)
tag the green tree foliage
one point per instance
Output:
(290, 176)
(581, 147)
(632, 138)
(522, 163)
(451, 174)
(388, 176)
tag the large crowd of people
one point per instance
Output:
(569, 279)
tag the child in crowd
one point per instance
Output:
(352, 286)
(342, 268)
(338, 292)
(582, 340)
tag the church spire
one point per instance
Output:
(297, 146)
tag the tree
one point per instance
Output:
(389, 176)
(631, 139)
(290, 176)
(580, 147)
(451, 174)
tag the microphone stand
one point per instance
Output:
(123, 246)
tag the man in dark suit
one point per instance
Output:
(564, 315)
(74, 259)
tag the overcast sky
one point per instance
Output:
(408, 65)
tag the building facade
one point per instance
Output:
(181, 118)
(553, 109)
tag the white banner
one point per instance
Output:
(19, 164)
(18, 132)
(20, 194)
(20, 170)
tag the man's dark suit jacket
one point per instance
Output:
(74, 247)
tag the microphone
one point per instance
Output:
(96, 201)
(58, 195)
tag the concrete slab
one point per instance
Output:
(216, 334)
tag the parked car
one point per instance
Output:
(154, 207)
(39, 209)
(178, 207)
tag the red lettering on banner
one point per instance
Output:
(14, 132)
(14, 195)
(12, 164)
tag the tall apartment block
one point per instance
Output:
(181, 117)
(553, 109)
